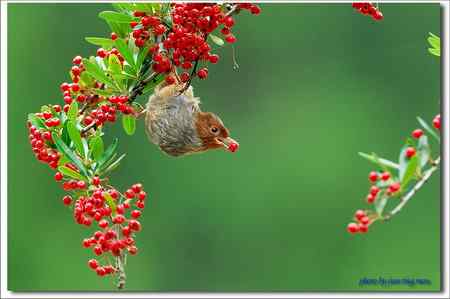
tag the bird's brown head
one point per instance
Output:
(212, 132)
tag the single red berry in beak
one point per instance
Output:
(233, 146)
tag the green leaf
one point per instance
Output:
(428, 129)
(123, 7)
(381, 162)
(125, 51)
(113, 16)
(423, 150)
(121, 29)
(151, 85)
(109, 152)
(66, 151)
(71, 173)
(410, 171)
(105, 43)
(96, 147)
(75, 136)
(114, 64)
(143, 53)
(110, 201)
(65, 135)
(113, 165)
(86, 80)
(72, 113)
(36, 121)
(217, 40)
(95, 71)
(129, 76)
(435, 52)
(129, 124)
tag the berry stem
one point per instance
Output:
(121, 277)
(404, 200)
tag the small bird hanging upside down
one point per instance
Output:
(176, 124)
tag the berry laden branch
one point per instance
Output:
(150, 43)
(394, 184)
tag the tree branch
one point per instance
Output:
(410, 194)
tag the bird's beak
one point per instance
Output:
(229, 143)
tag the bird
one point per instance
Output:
(175, 123)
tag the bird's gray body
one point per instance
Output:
(170, 120)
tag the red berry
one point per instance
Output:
(65, 86)
(359, 214)
(363, 228)
(352, 228)
(118, 219)
(103, 223)
(373, 176)
(58, 176)
(135, 214)
(81, 184)
(76, 70)
(75, 87)
(255, 10)
(93, 264)
(370, 198)
(101, 53)
(134, 225)
(129, 194)
(417, 133)
(230, 39)
(228, 21)
(96, 181)
(377, 15)
(374, 190)
(394, 187)
(100, 271)
(67, 200)
(133, 24)
(57, 108)
(86, 243)
(437, 122)
(140, 204)
(213, 58)
(114, 36)
(170, 80)
(385, 176)
(126, 231)
(232, 147)
(184, 77)
(364, 220)
(132, 250)
(77, 59)
(410, 152)
(202, 73)
(142, 195)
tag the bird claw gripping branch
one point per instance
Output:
(149, 43)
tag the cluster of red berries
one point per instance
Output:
(388, 184)
(116, 228)
(185, 42)
(367, 8)
(361, 224)
(41, 142)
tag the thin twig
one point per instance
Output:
(121, 280)
(417, 186)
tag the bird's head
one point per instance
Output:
(212, 132)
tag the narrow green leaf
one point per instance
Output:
(96, 147)
(410, 171)
(129, 124)
(379, 161)
(66, 151)
(36, 121)
(71, 173)
(113, 165)
(423, 151)
(95, 71)
(129, 76)
(65, 135)
(114, 64)
(121, 29)
(125, 51)
(143, 53)
(105, 43)
(110, 201)
(86, 80)
(75, 136)
(151, 85)
(72, 113)
(428, 129)
(117, 17)
(217, 40)
(123, 7)
(108, 153)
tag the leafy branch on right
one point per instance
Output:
(395, 183)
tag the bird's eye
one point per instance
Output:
(214, 130)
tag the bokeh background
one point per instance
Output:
(317, 83)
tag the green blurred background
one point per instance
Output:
(317, 83)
